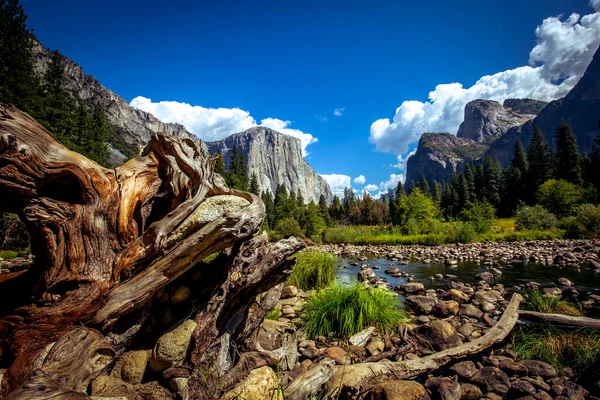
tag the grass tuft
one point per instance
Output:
(536, 301)
(342, 311)
(274, 314)
(579, 350)
(314, 270)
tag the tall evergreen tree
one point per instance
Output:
(324, 209)
(399, 193)
(411, 186)
(424, 186)
(299, 198)
(514, 181)
(492, 189)
(539, 158)
(237, 177)
(267, 199)
(220, 164)
(254, 186)
(567, 160)
(519, 159)
(391, 199)
(436, 194)
(595, 162)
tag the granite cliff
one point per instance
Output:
(275, 157)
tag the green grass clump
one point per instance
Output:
(314, 270)
(8, 254)
(342, 311)
(536, 301)
(579, 350)
(274, 314)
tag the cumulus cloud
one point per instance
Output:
(360, 180)
(563, 51)
(337, 183)
(402, 160)
(371, 188)
(338, 112)
(595, 4)
(212, 124)
(392, 182)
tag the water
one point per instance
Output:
(585, 281)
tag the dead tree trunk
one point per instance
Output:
(105, 241)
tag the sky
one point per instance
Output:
(357, 82)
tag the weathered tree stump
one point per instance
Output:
(106, 241)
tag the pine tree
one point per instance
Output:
(424, 186)
(399, 191)
(237, 177)
(254, 186)
(335, 209)
(19, 85)
(492, 189)
(391, 199)
(539, 158)
(567, 160)
(267, 199)
(299, 198)
(411, 186)
(514, 181)
(595, 162)
(437, 193)
(519, 159)
(324, 209)
(220, 164)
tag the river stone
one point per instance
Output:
(361, 338)
(441, 334)
(466, 330)
(445, 308)
(413, 287)
(485, 276)
(171, 348)
(456, 295)
(512, 368)
(134, 366)
(375, 346)
(260, 384)
(366, 275)
(564, 282)
(338, 355)
(108, 386)
(470, 310)
(271, 334)
(570, 389)
(521, 388)
(444, 388)
(420, 304)
(492, 379)
(485, 296)
(470, 392)
(397, 390)
(209, 210)
(553, 292)
(180, 294)
(288, 292)
(464, 369)
(539, 368)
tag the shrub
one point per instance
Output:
(341, 311)
(579, 350)
(537, 301)
(466, 232)
(480, 214)
(314, 270)
(9, 254)
(588, 215)
(572, 227)
(559, 196)
(536, 217)
(288, 227)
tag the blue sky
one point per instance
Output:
(242, 63)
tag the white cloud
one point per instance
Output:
(338, 112)
(212, 124)
(402, 160)
(371, 188)
(321, 118)
(392, 182)
(563, 51)
(595, 4)
(337, 183)
(360, 180)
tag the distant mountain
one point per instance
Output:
(580, 108)
(440, 155)
(275, 157)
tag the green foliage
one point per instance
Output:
(220, 164)
(418, 207)
(288, 227)
(539, 157)
(342, 311)
(579, 349)
(13, 233)
(567, 160)
(559, 196)
(237, 176)
(480, 214)
(274, 314)
(585, 223)
(8, 254)
(314, 270)
(536, 217)
(254, 186)
(538, 301)
(311, 221)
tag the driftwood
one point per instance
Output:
(560, 319)
(311, 381)
(63, 376)
(105, 242)
(354, 380)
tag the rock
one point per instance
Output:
(466, 330)
(440, 334)
(375, 347)
(171, 348)
(289, 292)
(179, 385)
(570, 389)
(470, 392)
(108, 386)
(464, 369)
(553, 292)
(260, 384)
(134, 366)
(564, 282)
(366, 275)
(392, 271)
(361, 338)
(397, 390)
(338, 355)
(492, 379)
(539, 368)
(456, 295)
(310, 351)
(512, 368)
(271, 334)
(485, 296)
(444, 388)
(180, 294)
(485, 276)
(445, 308)
(413, 287)
(521, 388)
(470, 310)
(420, 304)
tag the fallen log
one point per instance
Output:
(310, 382)
(353, 380)
(560, 319)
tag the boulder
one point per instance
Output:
(464, 369)
(180, 294)
(492, 379)
(470, 392)
(361, 338)
(470, 310)
(443, 388)
(397, 390)
(338, 355)
(521, 388)
(420, 304)
(288, 292)
(134, 366)
(366, 275)
(260, 384)
(413, 287)
(440, 334)
(445, 308)
(171, 348)
(539, 368)
(108, 386)
(375, 346)
(456, 295)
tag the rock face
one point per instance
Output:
(580, 108)
(487, 119)
(276, 159)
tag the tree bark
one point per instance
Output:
(560, 319)
(106, 241)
